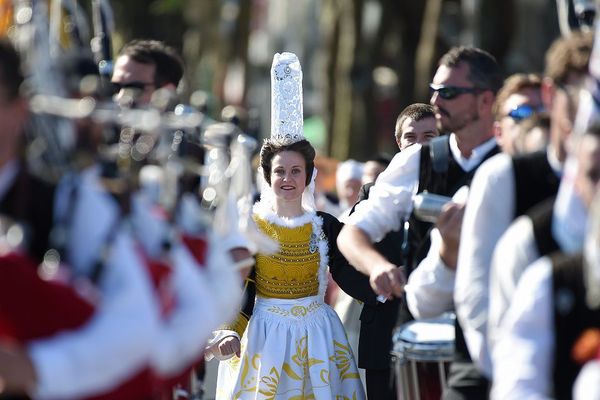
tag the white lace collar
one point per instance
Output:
(266, 212)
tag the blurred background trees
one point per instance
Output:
(363, 60)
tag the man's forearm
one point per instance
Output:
(356, 246)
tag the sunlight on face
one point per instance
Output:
(288, 175)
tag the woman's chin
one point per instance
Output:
(290, 197)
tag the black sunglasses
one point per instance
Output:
(117, 86)
(524, 111)
(451, 92)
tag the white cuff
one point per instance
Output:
(212, 349)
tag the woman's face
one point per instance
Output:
(288, 175)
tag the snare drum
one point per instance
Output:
(422, 351)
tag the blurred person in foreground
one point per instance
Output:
(50, 320)
(523, 182)
(142, 67)
(129, 341)
(537, 351)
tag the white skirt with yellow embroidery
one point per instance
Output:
(292, 349)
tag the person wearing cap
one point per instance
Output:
(463, 93)
(348, 180)
(287, 341)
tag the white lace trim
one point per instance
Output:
(264, 211)
(317, 224)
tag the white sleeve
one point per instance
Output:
(524, 352)
(390, 199)
(515, 251)
(489, 211)
(431, 285)
(113, 345)
(586, 386)
(184, 333)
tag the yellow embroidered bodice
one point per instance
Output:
(292, 272)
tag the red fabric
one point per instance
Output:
(142, 386)
(31, 307)
(181, 380)
(160, 274)
(198, 246)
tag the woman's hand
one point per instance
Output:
(229, 345)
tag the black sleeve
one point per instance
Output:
(353, 282)
(364, 193)
(241, 321)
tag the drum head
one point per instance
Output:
(426, 339)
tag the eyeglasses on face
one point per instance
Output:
(451, 92)
(524, 111)
(135, 85)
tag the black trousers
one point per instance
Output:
(380, 384)
(466, 383)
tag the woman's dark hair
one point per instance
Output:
(270, 149)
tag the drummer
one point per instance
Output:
(463, 93)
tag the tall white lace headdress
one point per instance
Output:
(287, 117)
(286, 99)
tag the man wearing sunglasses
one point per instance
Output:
(505, 188)
(463, 93)
(518, 99)
(142, 67)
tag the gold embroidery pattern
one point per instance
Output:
(295, 311)
(292, 272)
(268, 385)
(343, 361)
(271, 382)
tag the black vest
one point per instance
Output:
(572, 317)
(439, 173)
(30, 202)
(541, 219)
(534, 180)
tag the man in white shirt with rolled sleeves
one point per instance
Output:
(463, 92)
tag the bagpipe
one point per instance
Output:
(196, 171)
